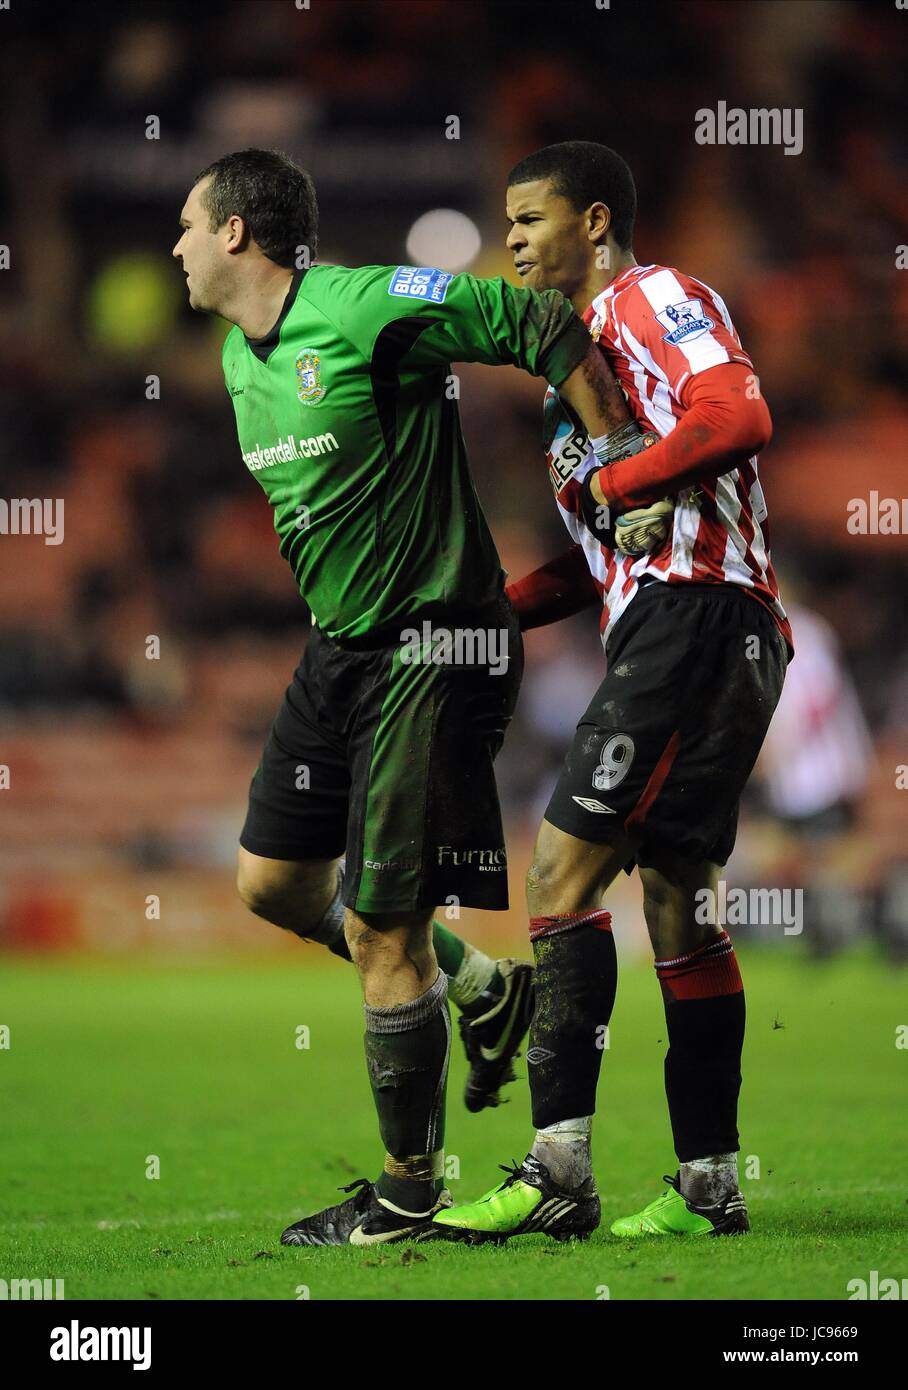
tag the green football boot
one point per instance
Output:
(672, 1215)
(526, 1203)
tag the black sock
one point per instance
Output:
(407, 1051)
(576, 980)
(705, 1015)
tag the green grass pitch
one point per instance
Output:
(196, 1062)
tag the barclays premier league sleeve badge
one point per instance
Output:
(309, 386)
(684, 321)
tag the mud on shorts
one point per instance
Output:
(669, 740)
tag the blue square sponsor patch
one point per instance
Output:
(420, 282)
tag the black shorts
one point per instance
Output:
(389, 760)
(665, 748)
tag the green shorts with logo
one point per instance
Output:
(385, 753)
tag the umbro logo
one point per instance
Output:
(589, 803)
(538, 1054)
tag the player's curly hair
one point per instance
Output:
(586, 173)
(273, 195)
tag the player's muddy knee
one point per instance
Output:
(364, 941)
(277, 904)
(550, 888)
(385, 941)
(537, 883)
(288, 894)
(261, 899)
(250, 891)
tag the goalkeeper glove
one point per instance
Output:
(644, 528)
(639, 530)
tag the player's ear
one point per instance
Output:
(237, 234)
(598, 221)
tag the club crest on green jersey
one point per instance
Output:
(309, 386)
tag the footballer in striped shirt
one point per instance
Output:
(672, 542)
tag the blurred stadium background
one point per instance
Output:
(128, 776)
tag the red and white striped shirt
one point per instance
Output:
(658, 329)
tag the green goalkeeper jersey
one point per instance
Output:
(346, 416)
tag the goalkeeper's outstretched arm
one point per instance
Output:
(558, 589)
(724, 424)
(593, 392)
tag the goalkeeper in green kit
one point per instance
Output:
(375, 797)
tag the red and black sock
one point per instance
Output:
(576, 980)
(704, 1010)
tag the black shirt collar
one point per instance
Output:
(263, 347)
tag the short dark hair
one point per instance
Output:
(273, 195)
(586, 173)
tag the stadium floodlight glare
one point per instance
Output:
(443, 238)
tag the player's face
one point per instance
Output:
(201, 253)
(547, 238)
